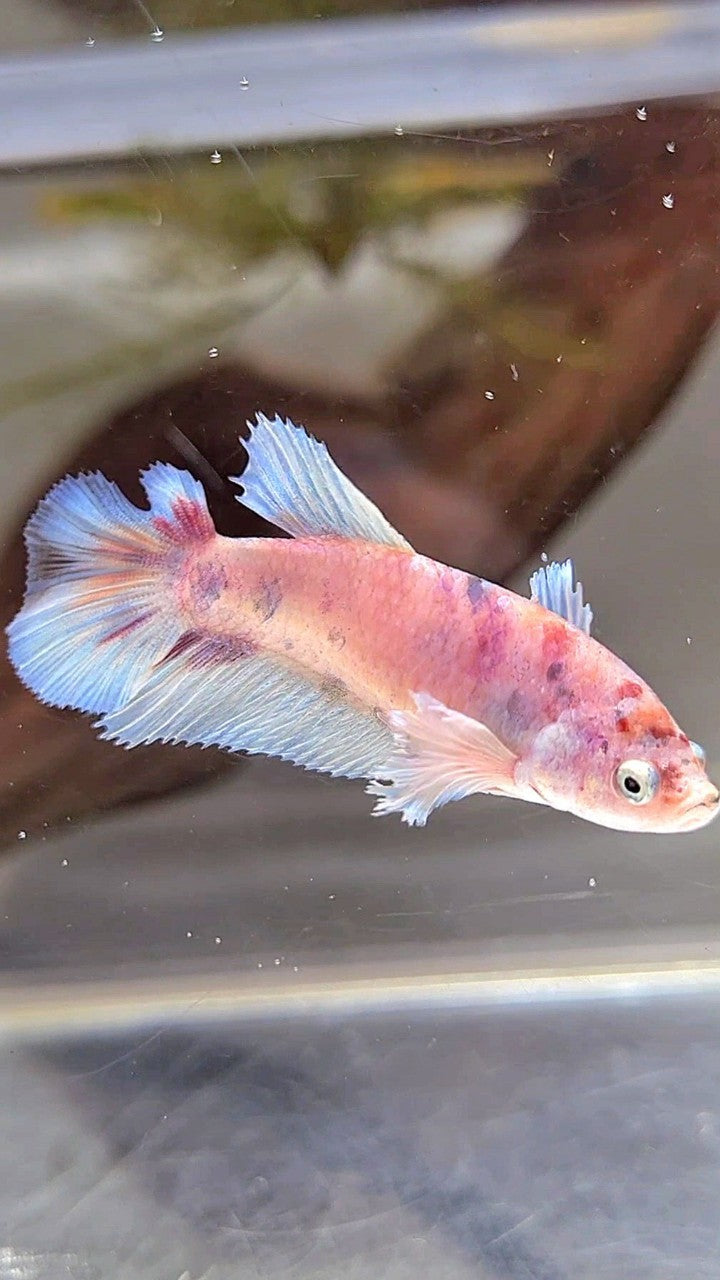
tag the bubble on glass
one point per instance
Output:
(158, 35)
(218, 941)
(514, 372)
(90, 42)
(22, 835)
(64, 862)
(668, 200)
(215, 157)
(213, 353)
(592, 882)
(489, 395)
(544, 557)
(399, 130)
(641, 113)
(670, 146)
(244, 83)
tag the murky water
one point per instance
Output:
(247, 1031)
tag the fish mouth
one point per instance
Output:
(700, 812)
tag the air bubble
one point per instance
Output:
(244, 83)
(158, 35)
(399, 130)
(22, 835)
(90, 42)
(489, 395)
(213, 353)
(668, 200)
(215, 157)
(641, 113)
(592, 882)
(670, 146)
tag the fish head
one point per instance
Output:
(628, 767)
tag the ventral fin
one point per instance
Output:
(292, 481)
(440, 755)
(553, 586)
(217, 691)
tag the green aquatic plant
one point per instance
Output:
(323, 199)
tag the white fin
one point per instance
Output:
(440, 755)
(553, 586)
(99, 606)
(292, 481)
(206, 691)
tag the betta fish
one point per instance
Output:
(340, 648)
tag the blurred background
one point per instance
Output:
(244, 1030)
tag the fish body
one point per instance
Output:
(340, 648)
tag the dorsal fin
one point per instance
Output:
(292, 481)
(554, 587)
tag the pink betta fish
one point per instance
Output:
(339, 649)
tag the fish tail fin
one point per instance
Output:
(99, 607)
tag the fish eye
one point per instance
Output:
(698, 752)
(637, 781)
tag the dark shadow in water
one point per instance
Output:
(271, 1157)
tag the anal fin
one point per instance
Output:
(440, 755)
(216, 691)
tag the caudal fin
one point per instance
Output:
(99, 608)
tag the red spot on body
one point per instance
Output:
(661, 731)
(190, 523)
(555, 641)
(126, 628)
(623, 724)
(672, 778)
(630, 689)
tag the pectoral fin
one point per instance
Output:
(440, 755)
